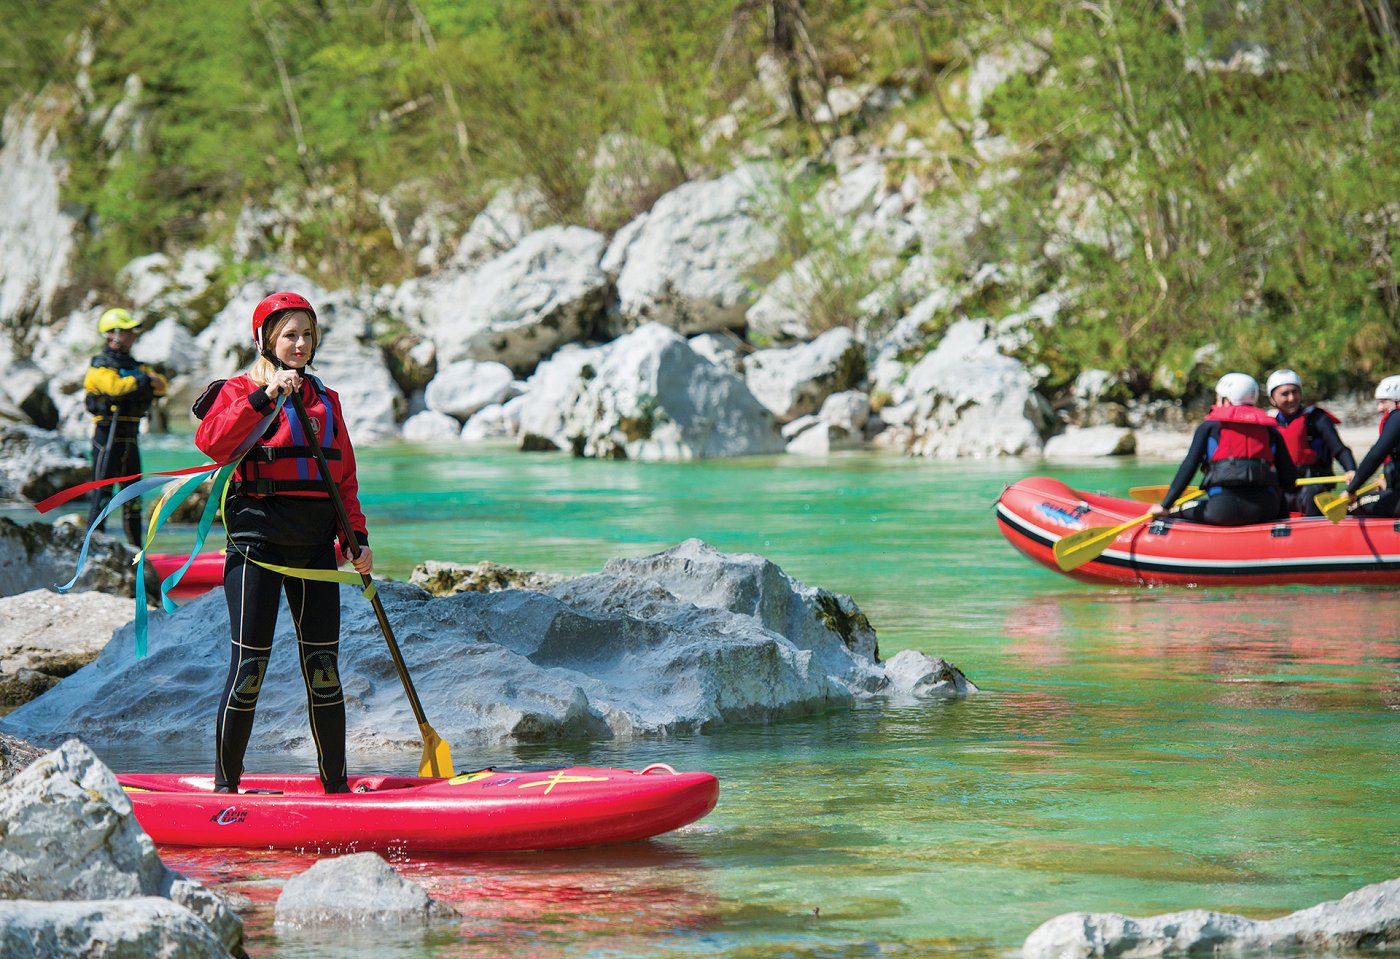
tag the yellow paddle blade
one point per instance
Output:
(1154, 494)
(437, 755)
(1334, 505)
(1076, 549)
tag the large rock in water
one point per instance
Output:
(1367, 919)
(37, 556)
(70, 836)
(683, 640)
(36, 463)
(50, 635)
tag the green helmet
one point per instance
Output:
(117, 319)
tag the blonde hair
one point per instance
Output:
(263, 368)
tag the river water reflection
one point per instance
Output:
(1133, 750)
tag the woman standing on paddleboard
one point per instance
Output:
(281, 521)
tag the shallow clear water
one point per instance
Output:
(1132, 750)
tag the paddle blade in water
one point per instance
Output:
(437, 755)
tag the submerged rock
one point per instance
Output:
(1368, 919)
(361, 889)
(687, 639)
(70, 835)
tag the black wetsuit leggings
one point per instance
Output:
(1235, 506)
(252, 594)
(123, 459)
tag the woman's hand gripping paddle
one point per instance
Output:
(1076, 549)
(437, 757)
(1335, 505)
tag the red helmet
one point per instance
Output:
(276, 303)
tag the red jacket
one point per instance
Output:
(281, 463)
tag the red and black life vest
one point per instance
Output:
(1243, 454)
(281, 462)
(1306, 449)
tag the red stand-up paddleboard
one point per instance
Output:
(1035, 513)
(490, 810)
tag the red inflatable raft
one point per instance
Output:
(206, 572)
(1034, 513)
(491, 810)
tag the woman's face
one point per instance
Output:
(1385, 406)
(295, 340)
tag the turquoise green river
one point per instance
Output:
(1131, 750)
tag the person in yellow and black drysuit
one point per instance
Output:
(119, 393)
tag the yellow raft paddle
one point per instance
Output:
(1335, 505)
(1076, 549)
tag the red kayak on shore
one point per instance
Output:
(206, 572)
(489, 810)
(1035, 513)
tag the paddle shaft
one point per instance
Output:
(101, 471)
(347, 536)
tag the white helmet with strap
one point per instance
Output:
(1282, 378)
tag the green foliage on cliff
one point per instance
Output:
(1209, 178)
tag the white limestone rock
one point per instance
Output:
(39, 555)
(25, 396)
(513, 213)
(50, 635)
(70, 835)
(684, 263)
(973, 401)
(429, 426)
(36, 463)
(498, 422)
(628, 174)
(356, 890)
(818, 438)
(144, 927)
(796, 381)
(350, 362)
(467, 386)
(520, 306)
(1367, 919)
(168, 346)
(155, 284)
(36, 233)
(721, 349)
(1091, 442)
(645, 396)
(688, 639)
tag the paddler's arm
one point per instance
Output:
(1195, 456)
(1385, 445)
